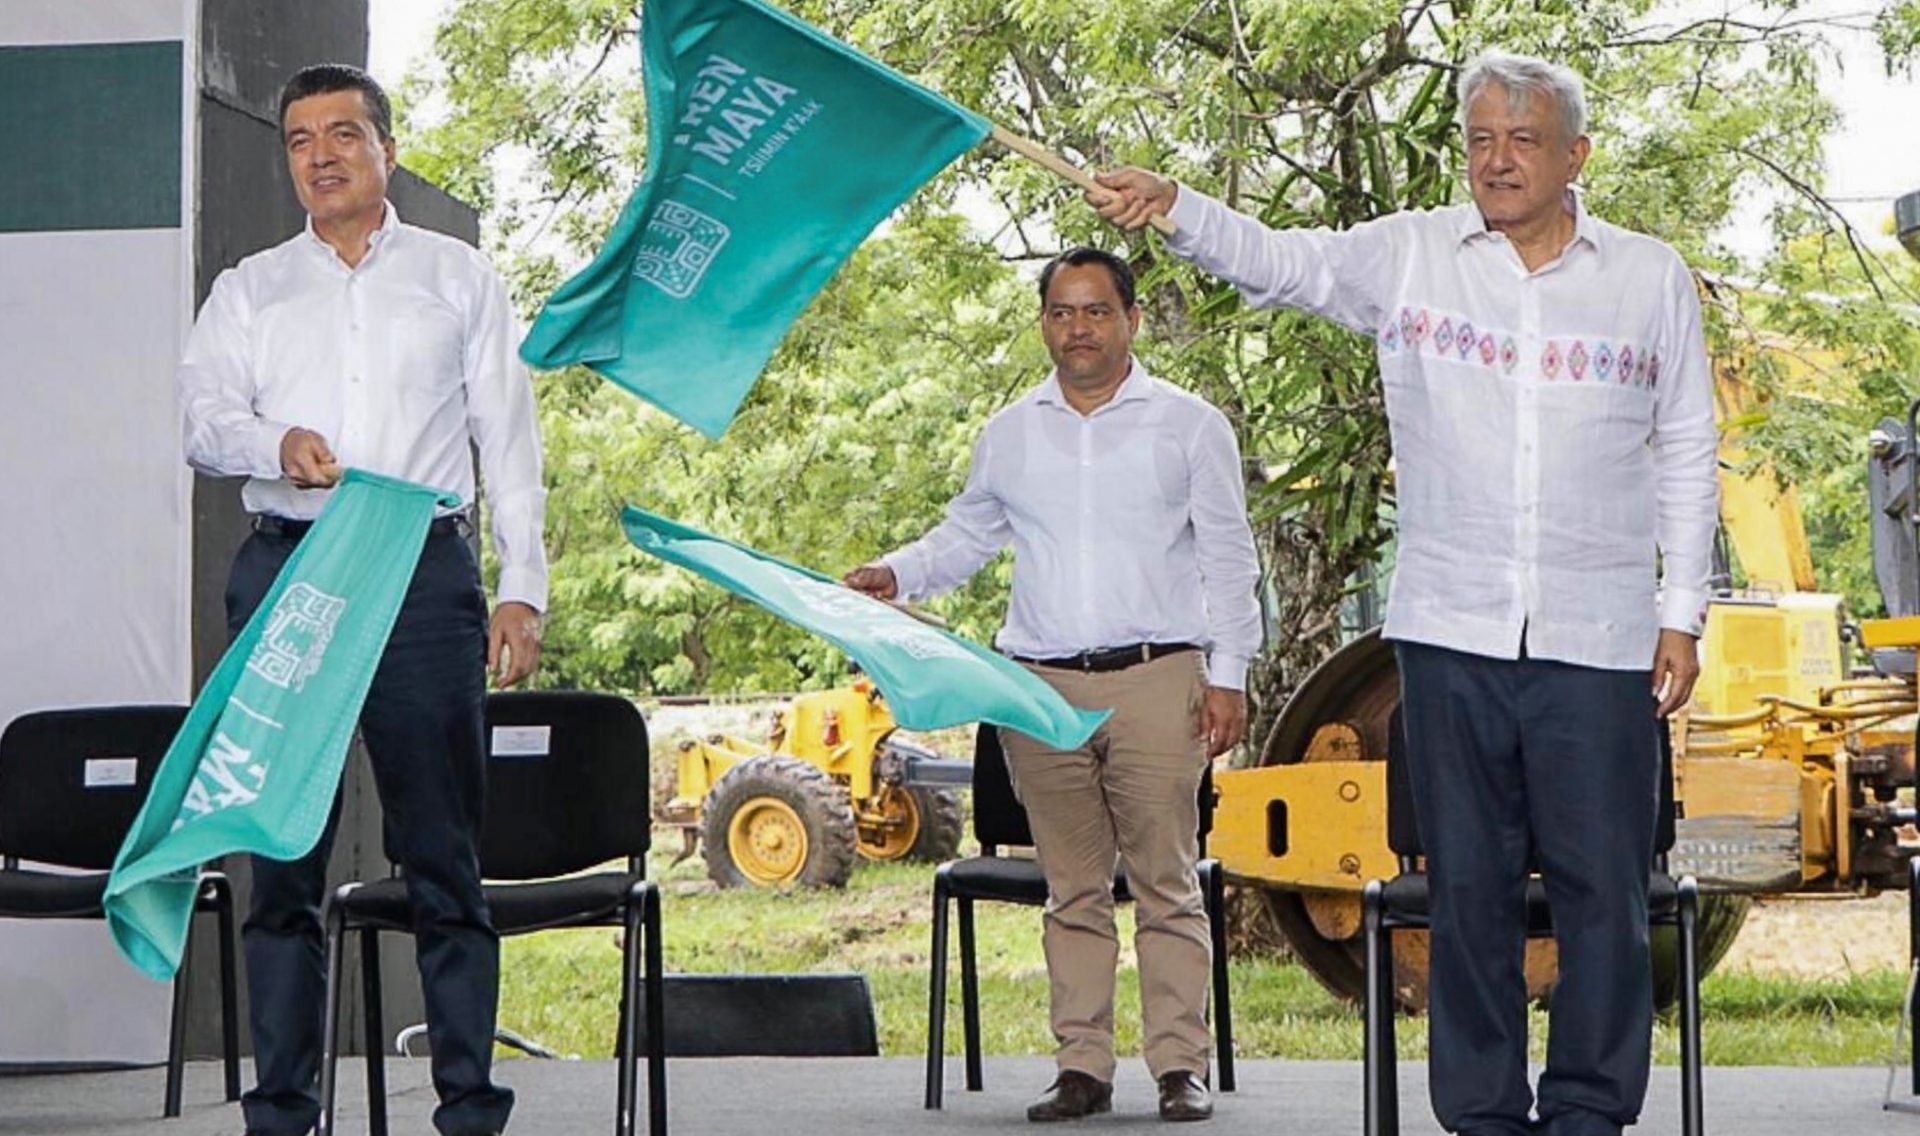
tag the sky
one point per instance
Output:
(1873, 158)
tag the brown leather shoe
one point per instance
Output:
(1183, 1096)
(1072, 1095)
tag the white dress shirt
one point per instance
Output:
(1552, 429)
(397, 363)
(1129, 525)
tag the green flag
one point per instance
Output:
(772, 150)
(931, 679)
(256, 766)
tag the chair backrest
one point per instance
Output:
(568, 784)
(72, 781)
(999, 819)
(1403, 826)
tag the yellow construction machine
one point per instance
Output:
(834, 783)
(1792, 766)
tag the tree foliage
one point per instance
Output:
(1302, 112)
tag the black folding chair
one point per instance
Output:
(66, 800)
(568, 790)
(1402, 903)
(1000, 821)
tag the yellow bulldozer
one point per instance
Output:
(833, 784)
(1792, 766)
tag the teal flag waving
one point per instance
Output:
(772, 151)
(256, 766)
(931, 679)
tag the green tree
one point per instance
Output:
(1303, 112)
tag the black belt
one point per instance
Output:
(286, 528)
(1113, 658)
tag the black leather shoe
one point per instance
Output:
(1183, 1096)
(1072, 1095)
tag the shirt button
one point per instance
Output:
(355, 380)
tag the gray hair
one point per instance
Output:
(1524, 76)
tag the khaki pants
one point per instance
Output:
(1130, 793)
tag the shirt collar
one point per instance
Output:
(1136, 387)
(389, 225)
(1586, 229)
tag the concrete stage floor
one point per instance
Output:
(881, 1097)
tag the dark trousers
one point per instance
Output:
(423, 725)
(1519, 761)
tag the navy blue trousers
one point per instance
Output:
(1519, 761)
(423, 725)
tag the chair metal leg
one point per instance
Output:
(970, 997)
(221, 892)
(375, 1027)
(937, 995)
(1215, 884)
(656, 1018)
(1380, 1076)
(334, 920)
(1692, 1120)
(627, 1044)
(1913, 956)
(177, 1032)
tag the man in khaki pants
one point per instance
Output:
(1123, 499)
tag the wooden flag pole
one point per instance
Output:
(921, 614)
(1028, 148)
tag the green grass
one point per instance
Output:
(560, 987)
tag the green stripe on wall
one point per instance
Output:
(91, 137)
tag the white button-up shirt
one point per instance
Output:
(1552, 429)
(397, 363)
(1129, 525)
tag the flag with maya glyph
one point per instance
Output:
(932, 679)
(258, 762)
(772, 151)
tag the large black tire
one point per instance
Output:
(778, 822)
(1360, 686)
(942, 823)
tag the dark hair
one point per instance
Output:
(326, 78)
(1119, 269)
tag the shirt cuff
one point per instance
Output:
(521, 584)
(907, 579)
(1227, 671)
(1684, 609)
(264, 455)
(1189, 207)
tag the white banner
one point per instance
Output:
(95, 509)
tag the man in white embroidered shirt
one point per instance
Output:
(1551, 409)
(366, 342)
(1123, 498)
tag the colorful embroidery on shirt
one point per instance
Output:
(1578, 360)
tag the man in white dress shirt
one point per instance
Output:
(366, 342)
(1551, 408)
(1132, 559)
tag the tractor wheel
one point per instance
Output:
(776, 822)
(919, 824)
(942, 818)
(1342, 709)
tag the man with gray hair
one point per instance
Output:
(1551, 407)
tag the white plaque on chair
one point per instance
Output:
(111, 772)
(522, 741)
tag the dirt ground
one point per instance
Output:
(1822, 938)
